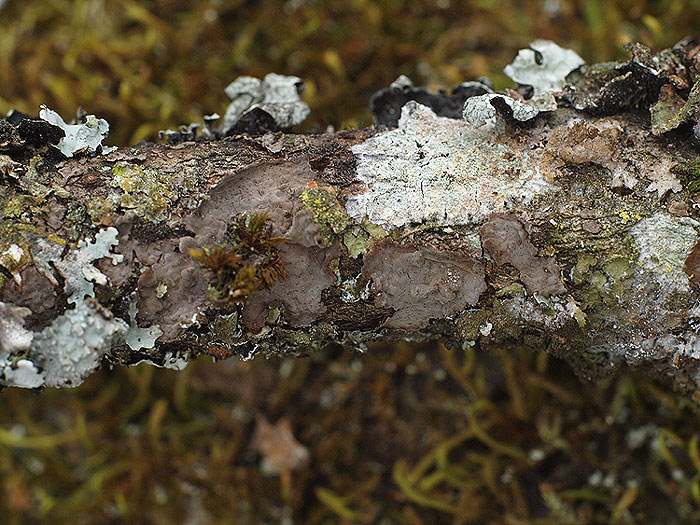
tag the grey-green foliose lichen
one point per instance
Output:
(84, 137)
(73, 344)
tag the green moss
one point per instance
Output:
(250, 263)
(145, 191)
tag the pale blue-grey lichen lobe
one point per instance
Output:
(72, 345)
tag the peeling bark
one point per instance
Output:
(576, 233)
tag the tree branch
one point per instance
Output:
(574, 231)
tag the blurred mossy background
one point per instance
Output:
(402, 434)
(149, 65)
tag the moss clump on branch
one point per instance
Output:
(249, 263)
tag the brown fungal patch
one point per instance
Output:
(580, 142)
(185, 292)
(505, 239)
(273, 188)
(422, 283)
(692, 265)
(333, 159)
(307, 276)
(35, 292)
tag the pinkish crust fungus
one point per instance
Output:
(304, 230)
(274, 189)
(506, 240)
(300, 292)
(422, 283)
(271, 188)
(185, 287)
(36, 293)
(692, 265)
(167, 268)
(173, 289)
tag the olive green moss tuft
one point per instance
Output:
(250, 263)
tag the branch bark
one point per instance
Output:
(574, 233)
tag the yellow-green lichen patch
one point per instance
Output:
(98, 207)
(689, 172)
(15, 217)
(618, 268)
(16, 207)
(327, 211)
(145, 191)
(13, 257)
(583, 266)
(605, 283)
(361, 239)
(161, 290)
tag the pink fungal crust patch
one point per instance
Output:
(300, 292)
(506, 240)
(272, 188)
(422, 283)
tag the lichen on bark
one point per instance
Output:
(574, 232)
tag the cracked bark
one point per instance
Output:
(573, 235)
